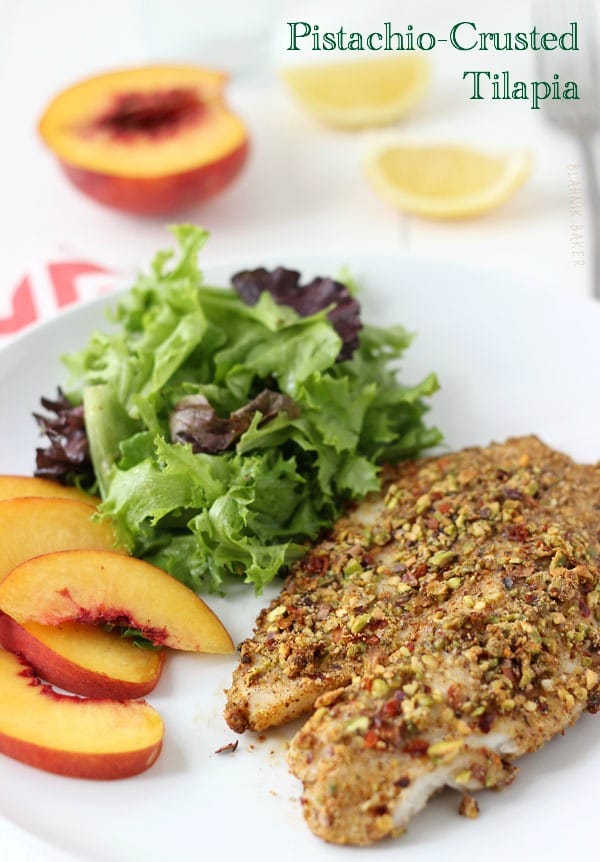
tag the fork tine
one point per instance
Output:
(584, 11)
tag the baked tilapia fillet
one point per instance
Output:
(473, 690)
(484, 562)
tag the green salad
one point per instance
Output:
(225, 428)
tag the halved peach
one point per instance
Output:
(102, 586)
(147, 140)
(36, 525)
(34, 486)
(84, 659)
(70, 735)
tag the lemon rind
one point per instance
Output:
(518, 167)
(366, 116)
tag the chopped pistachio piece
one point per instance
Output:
(442, 558)
(352, 567)
(358, 724)
(410, 688)
(276, 613)
(380, 688)
(358, 623)
(468, 807)
(423, 503)
(445, 750)
(355, 649)
(463, 777)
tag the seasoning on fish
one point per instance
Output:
(442, 629)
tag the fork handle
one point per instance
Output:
(593, 192)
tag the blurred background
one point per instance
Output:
(302, 189)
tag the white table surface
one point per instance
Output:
(303, 190)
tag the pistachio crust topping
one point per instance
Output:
(441, 630)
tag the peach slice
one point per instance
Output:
(36, 525)
(33, 486)
(72, 736)
(102, 586)
(147, 140)
(84, 659)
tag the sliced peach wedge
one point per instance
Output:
(103, 586)
(34, 486)
(84, 659)
(35, 525)
(101, 739)
(147, 140)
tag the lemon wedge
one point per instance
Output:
(359, 94)
(444, 180)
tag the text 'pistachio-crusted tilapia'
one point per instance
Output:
(464, 603)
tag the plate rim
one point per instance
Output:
(513, 281)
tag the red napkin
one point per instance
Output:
(42, 293)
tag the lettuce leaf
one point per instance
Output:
(251, 510)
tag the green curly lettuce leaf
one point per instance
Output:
(251, 510)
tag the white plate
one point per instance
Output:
(511, 361)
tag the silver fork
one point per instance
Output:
(580, 118)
